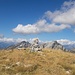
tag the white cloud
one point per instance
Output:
(59, 20)
(31, 40)
(28, 29)
(68, 4)
(50, 15)
(8, 40)
(18, 40)
(65, 42)
(65, 15)
(38, 27)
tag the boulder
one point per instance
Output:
(35, 46)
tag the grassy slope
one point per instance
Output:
(47, 62)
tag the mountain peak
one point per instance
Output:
(23, 42)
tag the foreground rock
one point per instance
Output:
(35, 46)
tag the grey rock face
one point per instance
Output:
(21, 45)
(35, 46)
(54, 45)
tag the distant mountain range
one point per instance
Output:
(26, 44)
(23, 44)
(4, 45)
(69, 46)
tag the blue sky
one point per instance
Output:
(23, 19)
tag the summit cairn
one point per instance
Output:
(35, 45)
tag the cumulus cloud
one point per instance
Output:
(27, 29)
(31, 40)
(30, 28)
(65, 42)
(8, 40)
(50, 15)
(38, 27)
(68, 4)
(52, 21)
(18, 40)
(65, 15)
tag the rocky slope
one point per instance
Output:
(54, 45)
(23, 44)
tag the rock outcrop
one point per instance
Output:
(54, 45)
(35, 46)
(22, 45)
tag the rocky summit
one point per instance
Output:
(54, 45)
(36, 46)
(22, 45)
